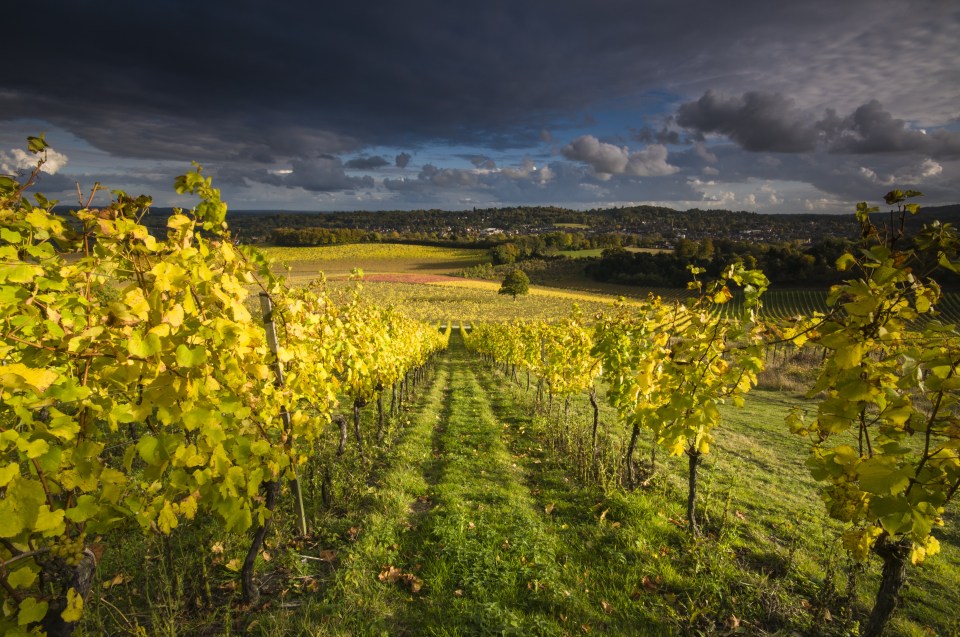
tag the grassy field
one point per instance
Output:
(596, 252)
(306, 263)
(469, 301)
(475, 516)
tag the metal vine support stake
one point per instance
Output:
(266, 308)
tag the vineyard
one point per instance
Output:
(193, 446)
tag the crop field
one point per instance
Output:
(300, 264)
(419, 279)
(469, 301)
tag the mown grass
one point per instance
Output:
(472, 517)
(770, 560)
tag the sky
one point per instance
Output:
(802, 106)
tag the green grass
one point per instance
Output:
(476, 516)
(339, 260)
(770, 558)
(596, 252)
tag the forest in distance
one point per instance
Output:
(641, 246)
(644, 225)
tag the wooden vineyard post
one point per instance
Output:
(266, 308)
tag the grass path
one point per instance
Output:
(468, 537)
(475, 527)
(477, 544)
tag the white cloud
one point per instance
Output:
(927, 170)
(930, 168)
(18, 159)
(605, 159)
(773, 197)
(650, 162)
(520, 172)
(608, 160)
(822, 204)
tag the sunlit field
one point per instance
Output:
(475, 301)
(421, 279)
(306, 263)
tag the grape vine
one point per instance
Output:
(137, 384)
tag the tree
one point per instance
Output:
(515, 283)
(504, 253)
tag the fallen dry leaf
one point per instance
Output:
(117, 580)
(607, 607)
(651, 583)
(390, 574)
(415, 582)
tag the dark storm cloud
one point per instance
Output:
(322, 174)
(756, 121)
(367, 163)
(766, 122)
(648, 135)
(481, 161)
(871, 129)
(274, 94)
(259, 81)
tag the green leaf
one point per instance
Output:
(31, 611)
(37, 144)
(74, 610)
(191, 357)
(22, 578)
(18, 375)
(894, 196)
(19, 273)
(880, 475)
(85, 509)
(167, 519)
(49, 523)
(10, 236)
(196, 418)
(142, 347)
(8, 472)
(20, 506)
(149, 449)
(846, 261)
